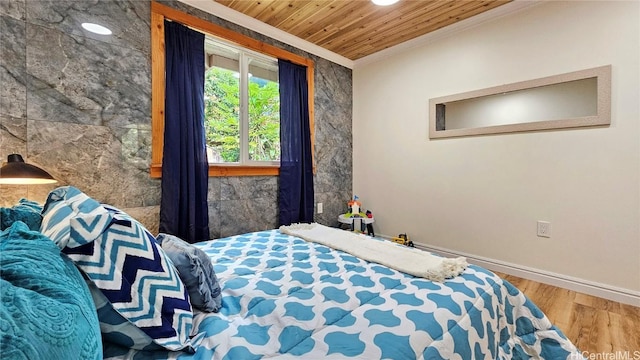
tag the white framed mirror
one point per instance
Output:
(577, 99)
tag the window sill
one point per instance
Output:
(228, 170)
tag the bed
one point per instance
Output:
(283, 297)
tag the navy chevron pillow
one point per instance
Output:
(140, 290)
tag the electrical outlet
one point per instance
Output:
(320, 208)
(544, 229)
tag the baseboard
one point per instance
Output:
(605, 291)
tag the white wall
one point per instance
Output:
(483, 195)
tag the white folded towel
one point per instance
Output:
(404, 259)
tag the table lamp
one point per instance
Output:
(16, 172)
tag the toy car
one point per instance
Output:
(403, 239)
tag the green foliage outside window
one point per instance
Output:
(264, 120)
(222, 113)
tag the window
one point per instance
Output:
(242, 105)
(255, 150)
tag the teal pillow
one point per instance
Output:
(26, 211)
(30, 204)
(46, 310)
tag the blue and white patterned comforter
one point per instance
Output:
(287, 298)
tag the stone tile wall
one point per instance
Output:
(79, 105)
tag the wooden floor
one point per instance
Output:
(596, 326)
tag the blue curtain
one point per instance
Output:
(185, 170)
(295, 194)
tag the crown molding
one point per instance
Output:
(466, 24)
(250, 23)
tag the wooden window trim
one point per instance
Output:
(161, 12)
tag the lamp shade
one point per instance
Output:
(15, 171)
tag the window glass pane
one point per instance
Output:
(222, 103)
(264, 110)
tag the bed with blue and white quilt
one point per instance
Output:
(284, 297)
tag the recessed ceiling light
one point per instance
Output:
(95, 28)
(384, 2)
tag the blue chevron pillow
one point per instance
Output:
(139, 291)
(68, 209)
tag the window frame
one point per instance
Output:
(161, 12)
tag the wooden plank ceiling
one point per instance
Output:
(357, 28)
